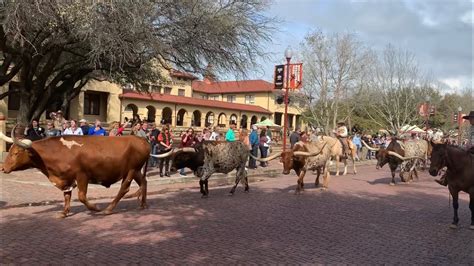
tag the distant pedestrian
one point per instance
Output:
(187, 140)
(230, 135)
(35, 132)
(214, 134)
(114, 129)
(51, 131)
(165, 141)
(264, 144)
(73, 129)
(84, 126)
(295, 137)
(254, 142)
(97, 130)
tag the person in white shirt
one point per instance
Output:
(73, 129)
(214, 134)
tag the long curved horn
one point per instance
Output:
(303, 153)
(188, 149)
(163, 155)
(5, 138)
(370, 148)
(401, 157)
(274, 156)
(24, 143)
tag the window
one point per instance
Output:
(156, 88)
(181, 92)
(214, 97)
(250, 99)
(167, 91)
(205, 97)
(91, 103)
(231, 98)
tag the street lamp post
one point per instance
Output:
(459, 125)
(427, 112)
(288, 54)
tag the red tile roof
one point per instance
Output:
(193, 101)
(177, 73)
(233, 86)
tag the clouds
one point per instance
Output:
(438, 32)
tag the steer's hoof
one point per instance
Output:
(143, 207)
(204, 196)
(61, 215)
(108, 212)
(453, 226)
(324, 188)
(471, 227)
(392, 184)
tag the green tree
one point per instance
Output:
(52, 48)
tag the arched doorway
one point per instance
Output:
(180, 118)
(196, 119)
(253, 120)
(130, 111)
(166, 116)
(222, 120)
(263, 118)
(209, 119)
(151, 113)
(243, 121)
(233, 119)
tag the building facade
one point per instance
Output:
(184, 101)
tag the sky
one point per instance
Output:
(438, 32)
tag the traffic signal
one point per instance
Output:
(455, 117)
(281, 99)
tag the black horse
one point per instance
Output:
(459, 174)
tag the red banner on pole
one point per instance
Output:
(296, 76)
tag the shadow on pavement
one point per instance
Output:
(265, 226)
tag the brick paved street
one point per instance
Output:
(359, 220)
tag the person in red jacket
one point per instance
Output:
(187, 140)
(165, 141)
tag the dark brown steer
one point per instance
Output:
(71, 160)
(459, 174)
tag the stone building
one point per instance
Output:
(184, 101)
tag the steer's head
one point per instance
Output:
(287, 159)
(438, 158)
(19, 155)
(382, 158)
(18, 159)
(184, 157)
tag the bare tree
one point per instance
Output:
(334, 66)
(395, 91)
(54, 47)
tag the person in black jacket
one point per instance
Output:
(84, 126)
(35, 132)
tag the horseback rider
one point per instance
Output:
(470, 147)
(342, 134)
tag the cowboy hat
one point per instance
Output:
(471, 115)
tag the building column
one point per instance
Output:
(113, 107)
(294, 122)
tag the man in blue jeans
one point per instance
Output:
(254, 141)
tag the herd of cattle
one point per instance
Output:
(70, 161)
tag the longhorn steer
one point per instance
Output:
(336, 153)
(398, 153)
(71, 160)
(303, 157)
(212, 157)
